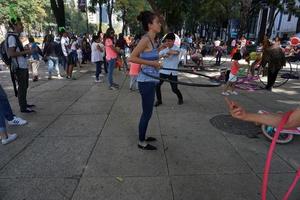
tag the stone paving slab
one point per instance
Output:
(83, 139)
(194, 155)
(279, 184)
(130, 188)
(93, 107)
(119, 156)
(51, 157)
(76, 126)
(36, 189)
(225, 187)
(254, 152)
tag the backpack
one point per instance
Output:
(3, 53)
(3, 49)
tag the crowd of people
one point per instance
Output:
(106, 51)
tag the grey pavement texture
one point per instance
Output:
(82, 144)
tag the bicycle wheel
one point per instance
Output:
(269, 132)
(282, 77)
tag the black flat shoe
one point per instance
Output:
(147, 147)
(150, 139)
(30, 105)
(27, 111)
(180, 102)
(157, 103)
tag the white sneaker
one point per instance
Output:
(99, 81)
(60, 77)
(225, 93)
(9, 139)
(112, 88)
(234, 92)
(17, 121)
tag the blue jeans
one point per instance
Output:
(5, 110)
(53, 63)
(98, 69)
(111, 67)
(147, 91)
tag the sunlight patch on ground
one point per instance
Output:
(284, 91)
(289, 102)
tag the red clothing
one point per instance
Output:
(234, 67)
(234, 50)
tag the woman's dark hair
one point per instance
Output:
(108, 33)
(13, 21)
(146, 17)
(95, 37)
(237, 56)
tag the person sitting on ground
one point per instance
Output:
(197, 57)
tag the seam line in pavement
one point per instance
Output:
(97, 139)
(41, 131)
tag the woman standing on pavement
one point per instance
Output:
(111, 57)
(146, 54)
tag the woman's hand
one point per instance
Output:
(236, 110)
(157, 64)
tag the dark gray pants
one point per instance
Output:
(22, 78)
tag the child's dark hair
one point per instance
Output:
(31, 39)
(146, 17)
(13, 21)
(237, 56)
(170, 36)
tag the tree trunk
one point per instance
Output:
(158, 12)
(124, 20)
(100, 17)
(263, 25)
(58, 9)
(271, 20)
(244, 16)
(110, 4)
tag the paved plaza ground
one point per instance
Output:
(81, 144)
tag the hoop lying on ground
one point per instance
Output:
(213, 81)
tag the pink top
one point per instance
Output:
(134, 69)
(110, 53)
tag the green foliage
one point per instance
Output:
(32, 12)
(128, 10)
(76, 21)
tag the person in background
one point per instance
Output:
(34, 61)
(18, 53)
(170, 55)
(97, 56)
(111, 57)
(6, 113)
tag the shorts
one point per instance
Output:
(232, 78)
(71, 59)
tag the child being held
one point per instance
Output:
(230, 85)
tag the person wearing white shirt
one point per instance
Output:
(170, 57)
(97, 56)
(19, 65)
